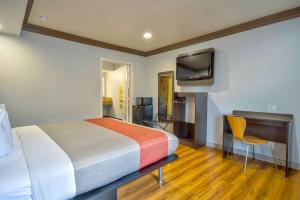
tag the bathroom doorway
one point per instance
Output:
(115, 89)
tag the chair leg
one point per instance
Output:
(275, 161)
(253, 151)
(245, 166)
(229, 147)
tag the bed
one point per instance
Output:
(81, 159)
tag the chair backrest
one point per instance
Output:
(237, 125)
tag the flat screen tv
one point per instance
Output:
(197, 65)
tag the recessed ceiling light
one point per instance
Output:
(147, 35)
(44, 18)
(0, 26)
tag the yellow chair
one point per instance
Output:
(238, 126)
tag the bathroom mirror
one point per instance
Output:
(165, 96)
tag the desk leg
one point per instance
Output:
(289, 142)
(253, 151)
(286, 161)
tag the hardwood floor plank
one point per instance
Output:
(204, 174)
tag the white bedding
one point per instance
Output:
(43, 155)
(14, 175)
(27, 173)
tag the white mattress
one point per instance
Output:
(14, 175)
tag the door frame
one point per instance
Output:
(129, 83)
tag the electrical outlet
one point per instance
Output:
(272, 108)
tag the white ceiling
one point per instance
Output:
(123, 22)
(11, 16)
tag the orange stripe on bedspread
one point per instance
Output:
(153, 143)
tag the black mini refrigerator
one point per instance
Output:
(142, 111)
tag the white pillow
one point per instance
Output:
(6, 141)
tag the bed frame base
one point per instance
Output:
(106, 195)
(109, 192)
(160, 176)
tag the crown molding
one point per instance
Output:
(263, 21)
(28, 10)
(75, 38)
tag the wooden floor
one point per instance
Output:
(204, 174)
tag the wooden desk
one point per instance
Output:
(269, 126)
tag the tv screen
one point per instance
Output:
(195, 66)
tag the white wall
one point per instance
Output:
(115, 79)
(252, 69)
(45, 79)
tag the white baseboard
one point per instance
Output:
(261, 157)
